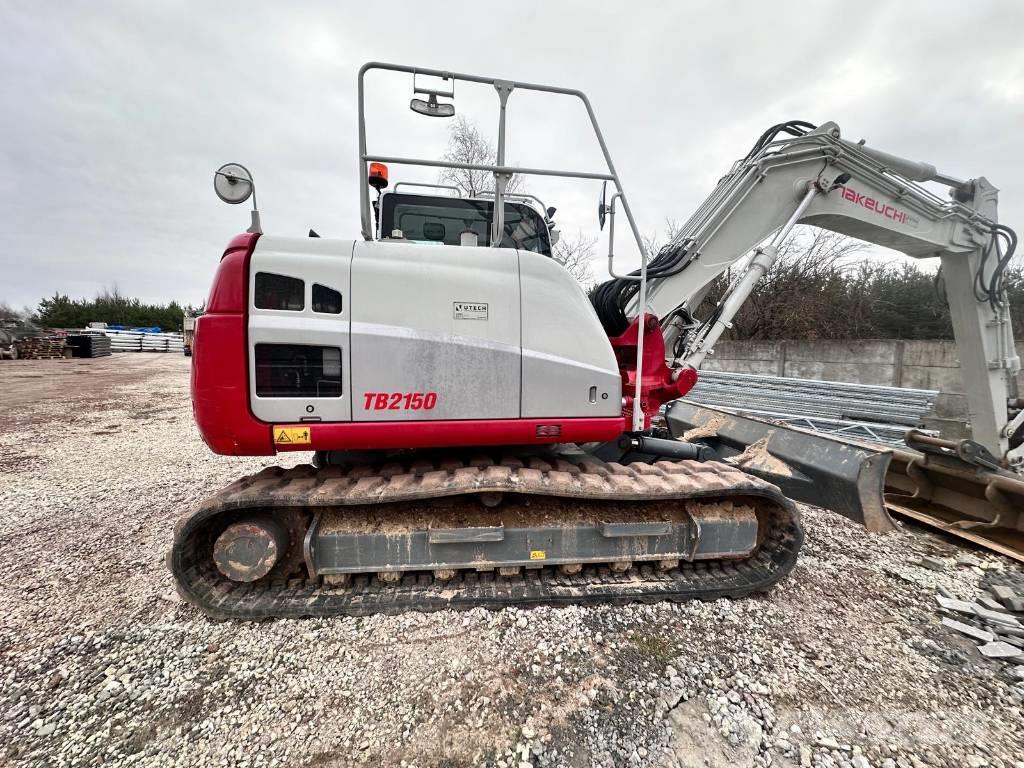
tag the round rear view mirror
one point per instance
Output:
(232, 183)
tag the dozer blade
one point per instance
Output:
(959, 488)
(807, 466)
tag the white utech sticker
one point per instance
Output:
(469, 310)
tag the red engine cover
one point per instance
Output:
(220, 385)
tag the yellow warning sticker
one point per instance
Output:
(538, 554)
(291, 436)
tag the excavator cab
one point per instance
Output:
(445, 219)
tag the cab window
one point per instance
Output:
(427, 219)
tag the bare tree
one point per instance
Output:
(809, 293)
(8, 312)
(575, 255)
(468, 146)
(653, 243)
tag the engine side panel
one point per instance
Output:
(569, 368)
(435, 332)
(301, 389)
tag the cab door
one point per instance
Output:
(435, 332)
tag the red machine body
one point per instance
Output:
(658, 383)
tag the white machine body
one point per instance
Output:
(423, 332)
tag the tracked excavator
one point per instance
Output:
(485, 435)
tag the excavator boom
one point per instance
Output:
(819, 178)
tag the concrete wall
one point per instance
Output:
(914, 364)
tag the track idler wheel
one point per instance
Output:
(247, 550)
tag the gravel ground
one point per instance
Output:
(844, 664)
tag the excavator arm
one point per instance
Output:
(814, 176)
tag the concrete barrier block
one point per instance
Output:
(852, 372)
(944, 379)
(748, 350)
(950, 406)
(935, 354)
(950, 429)
(752, 367)
(872, 352)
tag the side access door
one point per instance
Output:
(299, 307)
(435, 332)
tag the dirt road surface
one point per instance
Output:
(844, 664)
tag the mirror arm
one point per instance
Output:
(255, 227)
(611, 243)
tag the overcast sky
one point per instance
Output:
(115, 115)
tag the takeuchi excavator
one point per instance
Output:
(484, 434)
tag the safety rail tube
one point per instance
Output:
(638, 415)
(638, 412)
(452, 187)
(611, 244)
(504, 90)
(365, 157)
(520, 196)
(508, 169)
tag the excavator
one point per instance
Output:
(485, 434)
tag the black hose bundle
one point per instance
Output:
(990, 290)
(611, 298)
(792, 127)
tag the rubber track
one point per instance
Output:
(306, 488)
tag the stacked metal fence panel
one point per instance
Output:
(138, 341)
(162, 342)
(89, 345)
(880, 414)
(124, 341)
(175, 342)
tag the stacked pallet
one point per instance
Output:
(40, 347)
(89, 345)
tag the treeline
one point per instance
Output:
(60, 311)
(820, 289)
